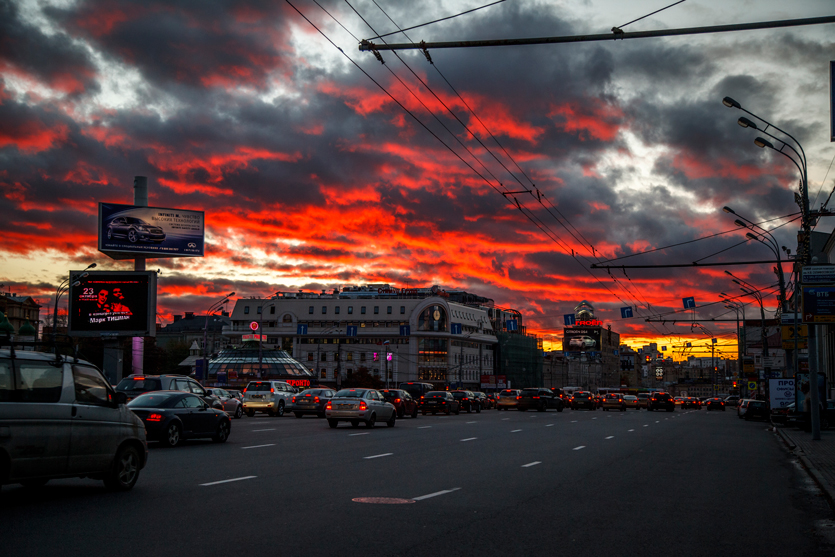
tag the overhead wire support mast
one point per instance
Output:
(366, 45)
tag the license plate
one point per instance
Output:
(345, 406)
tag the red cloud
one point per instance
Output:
(601, 121)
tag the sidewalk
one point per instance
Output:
(818, 457)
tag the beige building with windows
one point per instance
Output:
(406, 334)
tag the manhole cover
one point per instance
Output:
(383, 500)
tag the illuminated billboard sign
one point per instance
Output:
(120, 303)
(581, 339)
(128, 231)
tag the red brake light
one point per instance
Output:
(316, 399)
(294, 399)
(154, 417)
(272, 390)
(536, 397)
(363, 406)
(328, 406)
(396, 401)
(244, 391)
(518, 398)
(138, 378)
(421, 397)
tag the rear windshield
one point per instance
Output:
(582, 395)
(259, 386)
(350, 393)
(314, 392)
(143, 384)
(154, 400)
(508, 393)
(530, 391)
(436, 394)
(612, 396)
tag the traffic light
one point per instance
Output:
(734, 384)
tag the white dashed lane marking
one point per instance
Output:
(232, 480)
(578, 448)
(377, 456)
(444, 492)
(611, 437)
(516, 431)
(259, 446)
(528, 465)
(470, 439)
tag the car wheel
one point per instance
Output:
(251, 413)
(355, 423)
(519, 408)
(447, 411)
(222, 432)
(824, 422)
(132, 237)
(478, 409)
(320, 415)
(414, 414)
(298, 414)
(541, 408)
(457, 411)
(280, 411)
(239, 412)
(371, 421)
(401, 413)
(172, 436)
(623, 408)
(560, 408)
(333, 423)
(124, 471)
(390, 423)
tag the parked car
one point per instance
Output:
(60, 418)
(134, 230)
(402, 402)
(359, 405)
(270, 397)
(742, 407)
(583, 399)
(231, 405)
(174, 416)
(661, 401)
(643, 400)
(631, 401)
(439, 401)
(614, 401)
(757, 410)
(539, 399)
(310, 402)
(715, 404)
(467, 401)
(507, 399)
(486, 403)
(135, 385)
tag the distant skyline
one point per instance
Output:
(312, 177)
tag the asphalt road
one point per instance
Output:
(577, 482)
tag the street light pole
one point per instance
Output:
(806, 255)
(261, 333)
(62, 288)
(214, 307)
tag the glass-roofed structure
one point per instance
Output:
(235, 367)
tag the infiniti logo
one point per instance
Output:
(192, 245)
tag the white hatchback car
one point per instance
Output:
(60, 418)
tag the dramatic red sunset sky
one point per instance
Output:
(314, 175)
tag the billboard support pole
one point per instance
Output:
(140, 199)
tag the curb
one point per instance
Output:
(826, 488)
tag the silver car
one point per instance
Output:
(60, 418)
(272, 397)
(231, 405)
(359, 405)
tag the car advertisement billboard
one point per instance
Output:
(581, 339)
(113, 303)
(128, 231)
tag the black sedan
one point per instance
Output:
(311, 402)
(715, 404)
(439, 401)
(170, 417)
(135, 230)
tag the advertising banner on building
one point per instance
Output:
(113, 303)
(581, 339)
(780, 392)
(128, 231)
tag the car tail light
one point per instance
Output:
(138, 378)
(465, 398)
(363, 406)
(154, 417)
(272, 390)
(518, 398)
(421, 397)
(536, 397)
(244, 391)
(294, 399)
(329, 406)
(316, 399)
(397, 401)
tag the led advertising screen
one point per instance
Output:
(105, 303)
(128, 231)
(581, 339)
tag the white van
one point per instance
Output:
(60, 418)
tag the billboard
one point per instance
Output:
(120, 303)
(581, 339)
(128, 231)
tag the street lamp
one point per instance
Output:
(799, 160)
(214, 307)
(62, 288)
(261, 333)
(735, 305)
(751, 290)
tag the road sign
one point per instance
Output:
(689, 302)
(788, 332)
(818, 304)
(455, 328)
(625, 313)
(512, 325)
(351, 331)
(819, 274)
(405, 330)
(570, 320)
(752, 385)
(301, 329)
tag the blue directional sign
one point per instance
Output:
(689, 302)
(626, 312)
(570, 320)
(352, 331)
(640, 350)
(301, 329)
(455, 328)
(818, 304)
(615, 352)
(663, 348)
(405, 330)
(512, 325)
(688, 345)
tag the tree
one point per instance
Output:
(361, 378)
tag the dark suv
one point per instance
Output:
(540, 399)
(135, 385)
(467, 400)
(661, 401)
(583, 399)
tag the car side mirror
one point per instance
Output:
(121, 398)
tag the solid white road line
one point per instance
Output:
(355, 434)
(259, 446)
(534, 463)
(444, 492)
(377, 456)
(470, 439)
(516, 431)
(611, 437)
(232, 480)
(578, 448)
(256, 430)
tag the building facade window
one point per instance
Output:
(272, 310)
(362, 310)
(324, 310)
(246, 310)
(310, 310)
(388, 310)
(376, 310)
(433, 318)
(402, 310)
(350, 357)
(336, 310)
(350, 310)
(310, 356)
